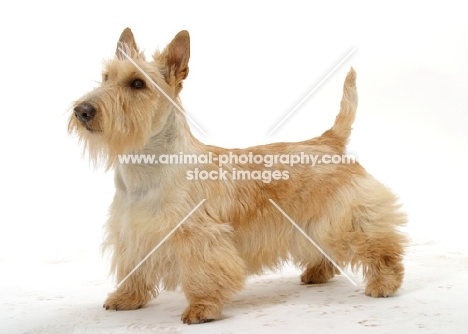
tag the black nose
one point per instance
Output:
(84, 112)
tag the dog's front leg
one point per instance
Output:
(212, 270)
(128, 247)
(133, 294)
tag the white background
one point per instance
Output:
(251, 63)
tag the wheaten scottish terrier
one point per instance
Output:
(237, 230)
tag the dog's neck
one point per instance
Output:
(174, 138)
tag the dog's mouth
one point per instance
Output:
(87, 125)
(88, 128)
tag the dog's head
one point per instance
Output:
(128, 107)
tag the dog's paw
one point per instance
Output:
(199, 313)
(124, 301)
(310, 277)
(381, 289)
(317, 274)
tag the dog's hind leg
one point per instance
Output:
(376, 242)
(319, 272)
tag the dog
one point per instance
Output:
(239, 229)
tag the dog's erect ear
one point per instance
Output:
(175, 57)
(127, 44)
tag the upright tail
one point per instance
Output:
(345, 118)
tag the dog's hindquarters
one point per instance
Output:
(360, 230)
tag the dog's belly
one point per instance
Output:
(268, 244)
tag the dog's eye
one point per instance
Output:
(138, 84)
(105, 76)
